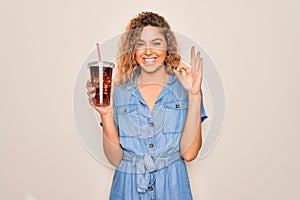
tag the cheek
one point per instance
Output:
(163, 56)
(138, 54)
(137, 57)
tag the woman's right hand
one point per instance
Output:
(91, 92)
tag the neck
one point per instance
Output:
(160, 77)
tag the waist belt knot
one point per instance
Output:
(143, 164)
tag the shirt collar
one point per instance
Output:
(130, 85)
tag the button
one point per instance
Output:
(150, 188)
(125, 110)
(151, 124)
(151, 145)
(177, 106)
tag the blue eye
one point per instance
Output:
(139, 44)
(156, 43)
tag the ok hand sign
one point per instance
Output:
(191, 77)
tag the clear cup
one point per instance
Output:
(101, 77)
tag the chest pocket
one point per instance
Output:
(175, 117)
(127, 119)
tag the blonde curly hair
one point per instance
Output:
(126, 62)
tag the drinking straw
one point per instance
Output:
(98, 51)
(100, 73)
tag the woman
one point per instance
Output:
(154, 124)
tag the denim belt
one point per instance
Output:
(143, 164)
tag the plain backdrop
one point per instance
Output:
(254, 44)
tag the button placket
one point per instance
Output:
(150, 188)
(151, 146)
(151, 124)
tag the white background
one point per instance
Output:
(254, 44)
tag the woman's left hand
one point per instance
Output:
(191, 77)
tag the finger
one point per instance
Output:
(201, 66)
(91, 101)
(88, 83)
(200, 70)
(91, 94)
(91, 97)
(192, 63)
(197, 60)
(91, 90)
(182, 67)
(178, 75)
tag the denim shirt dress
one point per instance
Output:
(152, 166)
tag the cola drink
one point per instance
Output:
(101, 78)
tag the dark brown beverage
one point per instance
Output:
(101, 79)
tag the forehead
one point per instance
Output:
(149, 33)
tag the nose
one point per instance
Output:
(148, 50)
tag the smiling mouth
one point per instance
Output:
(149, 60)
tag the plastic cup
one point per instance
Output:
(101, 77)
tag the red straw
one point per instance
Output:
(99, 53)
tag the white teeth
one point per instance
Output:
(149, 59)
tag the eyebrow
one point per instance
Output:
(139, 40)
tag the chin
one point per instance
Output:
(152, 68)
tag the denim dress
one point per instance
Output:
(152, 166)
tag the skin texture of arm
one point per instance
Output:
(191, 140)
(191, 80)
(111, 143)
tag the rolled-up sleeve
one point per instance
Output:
(203, 113)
